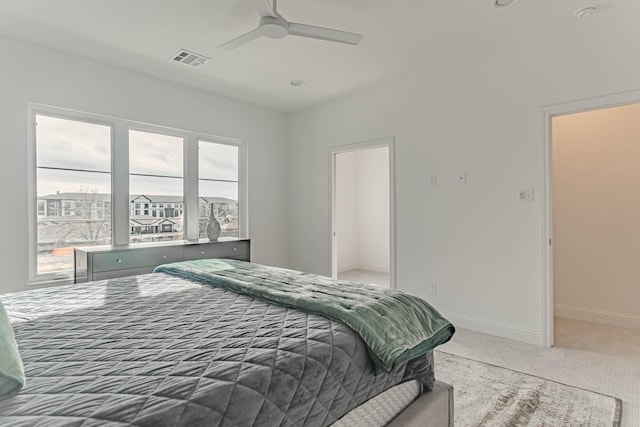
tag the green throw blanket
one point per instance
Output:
(11, 370)
(396, 327)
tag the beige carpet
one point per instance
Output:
(488, 395)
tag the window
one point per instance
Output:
(218, 186)
(73, 172)
(156, 172)
(83, 161)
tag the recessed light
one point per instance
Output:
(504, 3)
(585, 12)
(296, 82)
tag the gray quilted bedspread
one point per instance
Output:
(157, 350)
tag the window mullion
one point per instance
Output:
(191, 226)
(243, 191)
(33, 198)
(120, 184)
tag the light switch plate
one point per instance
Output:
(526, 195)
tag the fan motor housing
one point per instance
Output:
(274, 27)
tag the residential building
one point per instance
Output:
(85, 218)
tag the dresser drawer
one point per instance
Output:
(121, 260)
(236, 249)
(111, 274)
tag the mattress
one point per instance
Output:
(160, 350)
(383, 408)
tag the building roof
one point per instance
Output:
(153, 198)
(102, 197)
(149, 220)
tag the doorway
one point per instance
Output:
(362, 212)
(594, 208)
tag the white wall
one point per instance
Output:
(34, 74)
(362, 209)
(347, 210)
(373, 209)
(475, 241)
(596, 215)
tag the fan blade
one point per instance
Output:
(239, 41)
(322, 33)
(265, 8)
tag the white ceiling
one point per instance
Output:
(529, 40)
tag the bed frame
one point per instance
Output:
(432, 409)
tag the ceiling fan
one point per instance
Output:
(274, 26)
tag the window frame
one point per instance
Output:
(120, 200)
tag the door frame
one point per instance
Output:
(388, 142)
(548, 113)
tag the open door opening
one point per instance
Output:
(594, 214)
(362, 231)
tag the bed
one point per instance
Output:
(222, 343)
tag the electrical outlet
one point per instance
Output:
(433, 289)
(461, 178)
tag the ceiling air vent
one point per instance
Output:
(190, 58)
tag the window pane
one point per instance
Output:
(218, 186)
(156, 165)
(74, 209)
(222, 197)
(218, 161)
(52, 181)
(150, 186)
(71, 144)
(155, 154)
(73, 206)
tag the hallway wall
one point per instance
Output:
(362, 208)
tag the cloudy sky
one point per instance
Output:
(86, 146)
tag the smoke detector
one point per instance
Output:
(504, 3)
(190, 58)
(585, 12)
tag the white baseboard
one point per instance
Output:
(376, 268)
(369, 267)
(348, 267)
(598, 316)
(498, 329)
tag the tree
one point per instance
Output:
(94, 216)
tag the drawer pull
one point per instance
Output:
(118, 260)
(235, 249)
(164, 256)
(202, 252)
